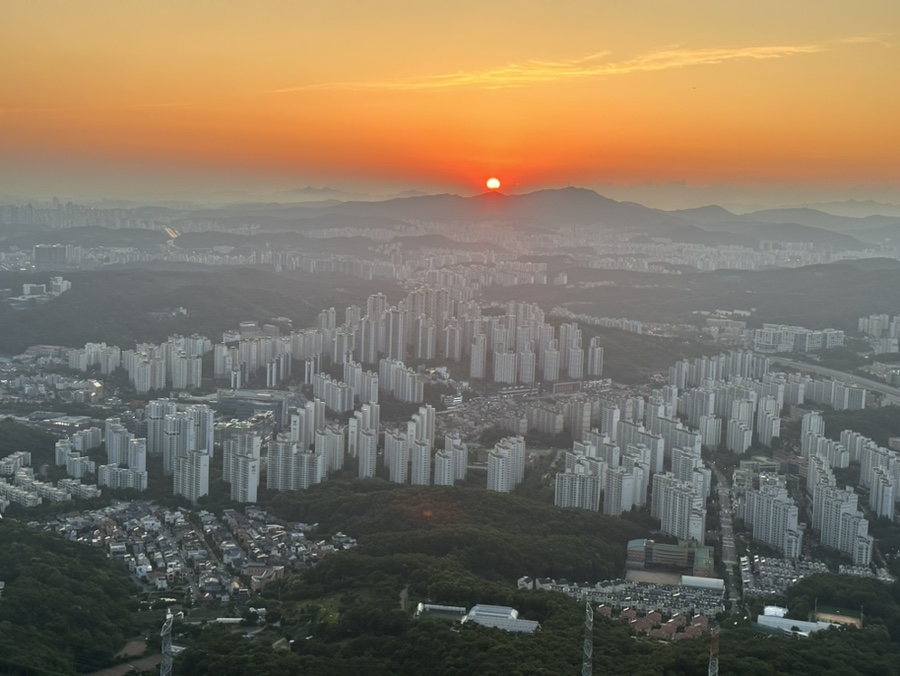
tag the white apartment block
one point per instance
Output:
(396, 456)
(679, 507)
(618, 494)
(191, 475)
(290, 469)
(114, 476)
(506, 464)
(881, 494)
(774, 517)
(738, 436)
(367, 452)
(245, 478)
(420, 462)
(444, 469)
(579, 490)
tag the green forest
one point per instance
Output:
(460, 547)
(15, 437)
(494, 535)
(879, 424)
(422, 646)
(66, 608)
(115, 305)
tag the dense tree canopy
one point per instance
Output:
(16, 437)
(879, 424)
(463, 546)
(491, 534)
(65, 607)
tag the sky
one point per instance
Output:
(677, 103)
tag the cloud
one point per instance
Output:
(864, 40)
(593, 66)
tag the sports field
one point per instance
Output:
(840, 616)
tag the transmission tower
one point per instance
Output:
(587, 665)
(165, 667)
(714, 652)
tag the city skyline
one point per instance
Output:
(672, 107)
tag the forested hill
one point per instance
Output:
(65, 607)
(461, 546)
(447, 545)
(127, 306)
(493, 535)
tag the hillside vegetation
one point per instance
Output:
(115, 305)
(461, 546)
(65, 609)
(815, 296)
(489, 534)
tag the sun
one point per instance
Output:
(493, 183)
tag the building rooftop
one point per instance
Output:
(500, 617)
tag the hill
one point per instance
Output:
(815, 296)
(790, 232)
(455, 524)
(115, 305)
(460, 546)
(65, 608)
(630, 357)
(448, 545)
(542, 210)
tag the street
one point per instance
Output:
(729, 555)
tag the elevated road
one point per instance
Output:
(892, 393)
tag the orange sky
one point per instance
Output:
(129, 98)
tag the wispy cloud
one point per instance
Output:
(864, 40)
(592, 66)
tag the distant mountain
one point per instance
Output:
(882, 233)
(818, 219)
(815, 296)
(796, 225)
(790, 232)
(858, 208)
(26, 237)
(708, 214)
(312, 194)
(872, 264)
(553, 210)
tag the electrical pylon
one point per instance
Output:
(587, 666)
(165, 667)
(714, 652)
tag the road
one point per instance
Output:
(148, 663)
(726, 536)
(892, 393)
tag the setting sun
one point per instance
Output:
(493, 183)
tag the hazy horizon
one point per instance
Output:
(859, 202)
